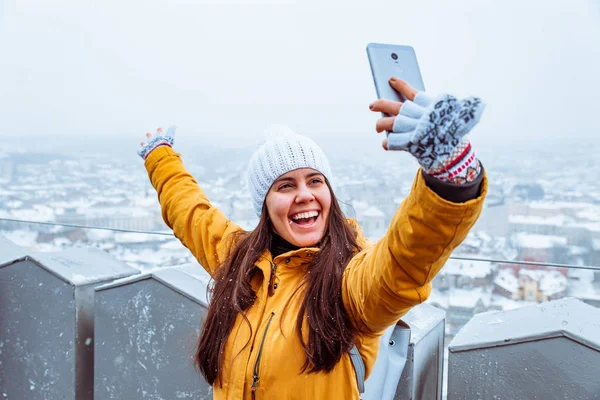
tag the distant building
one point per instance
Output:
(541, 286)
(553, 285)
(535, 247)
(532, 285)
(549, 209)
(538, 225)
(577, 221)
(461, 274)
(530, 191)
(69, 234)
(132, 240)
(132, 218)
(506, 284)
(372, 221)
(585, 285)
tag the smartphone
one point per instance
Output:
(389, 60)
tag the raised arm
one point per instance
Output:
(201, 227)
(383, 282)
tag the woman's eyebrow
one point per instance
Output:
(290, 179)
(284, 179)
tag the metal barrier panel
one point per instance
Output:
(545, 351)
(146, 334)
(37, 333)
(421, 376)
(46, 322)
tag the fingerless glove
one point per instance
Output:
(433, 131)
(160, 139)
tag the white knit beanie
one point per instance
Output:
(283, 152)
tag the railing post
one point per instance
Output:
(47, 320)
(147, 328)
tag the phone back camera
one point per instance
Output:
(394, 56)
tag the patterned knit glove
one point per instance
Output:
(433, 131)
(158, 140)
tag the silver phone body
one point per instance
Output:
(384, 65)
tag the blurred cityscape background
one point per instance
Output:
(543, 210)
(80, 81)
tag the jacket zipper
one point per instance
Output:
(255, 377)
(272, 280)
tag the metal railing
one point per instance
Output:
(463, 258)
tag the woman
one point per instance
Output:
(293, 296)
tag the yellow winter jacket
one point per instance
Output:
(380, 284)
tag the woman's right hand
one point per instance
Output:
(159, 139)
(429, 128)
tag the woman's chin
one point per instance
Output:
(308, 240)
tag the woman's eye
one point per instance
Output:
(285, 186)
(316, 180)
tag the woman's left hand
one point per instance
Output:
(430, 129)
(159, 139)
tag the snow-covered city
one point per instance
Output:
(534, 213)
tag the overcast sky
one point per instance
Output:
(224, 70)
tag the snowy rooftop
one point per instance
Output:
(533, 274)
(590, 226)
(38, 212)
(468, 298)
(9, 251)
(584, 289)
(553, 282)
(535, 241)
(473, 269)
(507, 280)
(129, 237)
(589, 221)
(559, 220)
(558, 205)
(114, 212)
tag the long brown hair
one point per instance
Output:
(330, 333)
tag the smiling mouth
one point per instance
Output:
(305, 219)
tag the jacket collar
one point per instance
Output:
(280, 246)
(282, 249)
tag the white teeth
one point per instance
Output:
(307, 214)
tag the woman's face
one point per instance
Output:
(298, 205)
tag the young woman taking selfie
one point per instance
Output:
(292, 297)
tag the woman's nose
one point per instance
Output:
(304, 195)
